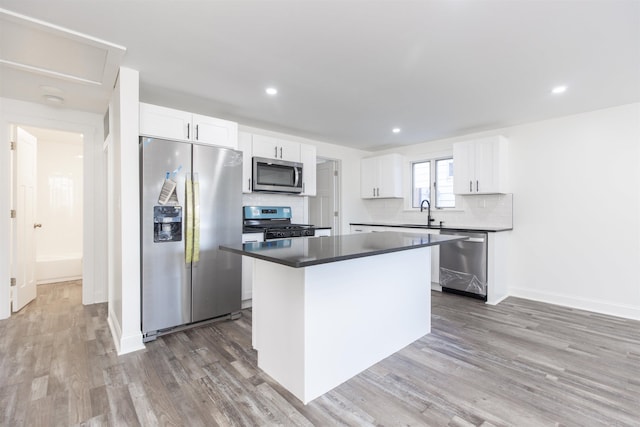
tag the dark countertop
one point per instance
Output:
(435, 227)
(307, 251)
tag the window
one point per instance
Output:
(440, 173)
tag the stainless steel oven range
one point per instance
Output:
(274, 222)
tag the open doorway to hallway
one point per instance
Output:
(57, 211)
(324, 208)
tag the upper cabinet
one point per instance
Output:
(480, 166)
(163, 122)
(244, 145)
(381, 177)
(253, 145)
(275, 148)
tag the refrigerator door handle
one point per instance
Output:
(188, 252)
(196, 218)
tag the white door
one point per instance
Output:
(323, 208)
(24, 251)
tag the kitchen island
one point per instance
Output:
(327, 308)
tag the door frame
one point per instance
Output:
(94, 271)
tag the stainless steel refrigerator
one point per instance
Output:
(190, 203)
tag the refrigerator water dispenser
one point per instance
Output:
(167, 223)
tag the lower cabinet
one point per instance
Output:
(247, 269)
(322, 232)
(435, 250)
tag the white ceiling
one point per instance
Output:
(349, 71)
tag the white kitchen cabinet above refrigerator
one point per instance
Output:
(168, 123)
(480, 166)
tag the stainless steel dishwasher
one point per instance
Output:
(463, 264)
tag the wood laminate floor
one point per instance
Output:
(520, 363)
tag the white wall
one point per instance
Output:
(576, 208)
(124, 215)
(576, 237)
(90, 125)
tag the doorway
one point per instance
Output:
(324, 210)
(55, 226)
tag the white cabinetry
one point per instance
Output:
(275, 148)
(322, 232)
(247, 269)
(367, 229)
(480, 166)
(244, 145)
(253, 145)
(163, 122)
(381, 177)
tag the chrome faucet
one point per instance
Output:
(429, 219)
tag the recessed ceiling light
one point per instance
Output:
(271, 91)
(395, 130)
(559, 89)
(53, 99)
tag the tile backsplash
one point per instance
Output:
(299, 205)
(493, 210)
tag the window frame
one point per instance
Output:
(432, 182)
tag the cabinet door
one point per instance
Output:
(210, 130)
(323, 232)
(289, 150)
(463, 168)
(162, 122)
(369, 177)
(491, 166)
(244, 144)
(275, 148)
(265, 146)
(390, 176)
(308, 159)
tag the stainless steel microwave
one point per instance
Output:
(276, 176)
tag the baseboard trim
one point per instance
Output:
(618, 310)
(116, 332)
(131, 343)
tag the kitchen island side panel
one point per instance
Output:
(321, 325)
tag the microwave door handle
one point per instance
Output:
(295, 184)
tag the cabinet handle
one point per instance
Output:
(374, 191)
(470, 186)
(249, 184)
(378, 192)
(276, 152)
(188, 129)
(303, 188)
(477, 186)
(280, 152)
(197, 133)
